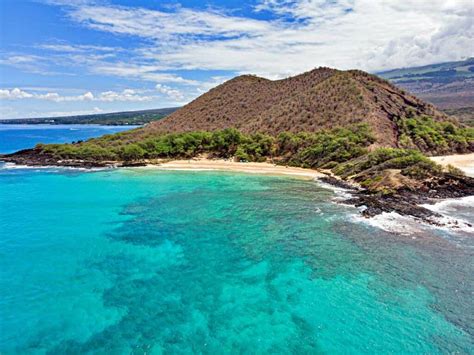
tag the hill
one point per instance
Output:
(447, 85)
(115, 118)
(320, 99)
(374, 112)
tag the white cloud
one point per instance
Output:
(173, 94)
(300, 35)
(36, 64)
(66, 113)
(107, 96)
(125, 95)
(211, 83)
(69, 48)
(145, 72)
(26, 62)
(14, 94)
(182, 23)
(9, 112)
(293, 36)
(53, 96)
(313, 10)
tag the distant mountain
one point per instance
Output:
(463, 114)
(321, 98)
(446, 85)
(115, 118)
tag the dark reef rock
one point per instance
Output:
(406, 202)
(404, 206)
(33, 157)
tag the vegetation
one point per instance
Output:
(322, 98)
(428, 135)
(326, 148)
(343, 150)
(411, 163)
(116, 118)
(385, 170)
(465, 115)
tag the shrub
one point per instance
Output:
(412, 163)
(431, 136)
(132, 152)
(454, 171)
(325, 148)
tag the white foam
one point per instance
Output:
(409, 226)
(450, 209)
(453, 224)
(340, 192)
(449, 205)
(13, 166)
(392, 222)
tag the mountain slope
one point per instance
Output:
(447, 85)
(321, 98)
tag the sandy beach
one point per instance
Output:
(227, 165)
(465, 162)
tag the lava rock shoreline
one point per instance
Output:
(406, 202)
(32, 157)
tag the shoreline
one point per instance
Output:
(384, 212)
(406, 201)
(231, 166)
(200, 164)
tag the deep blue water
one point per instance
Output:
(146, 261)
(16, 137)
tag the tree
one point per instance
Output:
(132, 152)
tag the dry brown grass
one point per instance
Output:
(321, 98)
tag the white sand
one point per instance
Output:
(465, 162)
(226, 165)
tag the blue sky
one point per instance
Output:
(61, 57)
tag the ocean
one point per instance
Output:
(148, 262)
(14, 137)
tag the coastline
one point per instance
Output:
(232, 166)
(405, 202)
(410, 209)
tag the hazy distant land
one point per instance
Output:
(110, 119)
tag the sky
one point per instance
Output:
(69, 57)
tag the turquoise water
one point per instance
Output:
(15, 137)
(138, 261)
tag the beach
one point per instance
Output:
(232, 166)
(465, 162)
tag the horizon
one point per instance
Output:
(87, 57)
